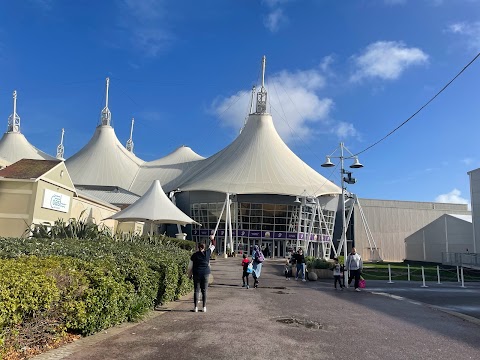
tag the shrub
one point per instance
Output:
(313, 263)
(83, 286)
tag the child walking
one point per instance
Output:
(288, 270)
(338, 274)
(245, 263)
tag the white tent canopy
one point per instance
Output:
(154, 206)
(104, 161)
(258, 162)
(14, 146)
(168, 169)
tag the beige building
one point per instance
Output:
(447, 234)
(391, 222)
(41, 192)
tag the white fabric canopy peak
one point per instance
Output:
(258, 162)
(154, 206)
(103, 161)
(167, 169)
(14, 146)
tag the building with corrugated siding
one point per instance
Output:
(448, 234)
(392, 222)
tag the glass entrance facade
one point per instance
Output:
(283, 227)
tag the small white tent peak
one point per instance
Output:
(154, 206)
(14, 145)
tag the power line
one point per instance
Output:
(424, 106)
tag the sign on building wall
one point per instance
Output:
(55, 201)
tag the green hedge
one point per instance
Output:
(84, 286)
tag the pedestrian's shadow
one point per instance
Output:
(171, 310)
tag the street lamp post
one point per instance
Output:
(349, 180)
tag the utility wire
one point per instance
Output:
(424, 106)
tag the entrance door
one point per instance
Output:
(279, 250)
(268, 244)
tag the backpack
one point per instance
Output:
(259, 257)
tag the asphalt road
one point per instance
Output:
(293, 320)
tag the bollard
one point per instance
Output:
(389, 275)
(461, 275)
(408, 271)
(458, 274)
(438, 275)
(423, 278)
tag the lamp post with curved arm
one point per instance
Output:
(349, 180)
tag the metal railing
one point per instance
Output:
(461, 259)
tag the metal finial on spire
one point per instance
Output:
(130, 141)
(106, 116)
(60, 148)
(14, 119)
(262, 94)
(264, 59)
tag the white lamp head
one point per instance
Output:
(327, 162)
(356, 164)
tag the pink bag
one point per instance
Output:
(362, 283)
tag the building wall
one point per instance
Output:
(391, 222)
(43, 215)
(93, 212)
(475, 201)
(16, 199)
(446, 234)
(21, 206)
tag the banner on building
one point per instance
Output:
(55, 201)
(264, 234)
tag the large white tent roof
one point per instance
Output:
(154, 206)
(14, 146)
(167, 169)
(103, 161)
(258, 162)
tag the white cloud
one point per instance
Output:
(293, 100)
(467, 161)
(345, 130)
(276, 17)
(469, 31)
(386, 60)
(142, 20)
(453, 197)
(274, 20)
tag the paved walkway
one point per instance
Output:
(285, 320)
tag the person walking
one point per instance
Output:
(354, 266)
(245, 263)
(337, 274)
(300, 260)
(257, 261)
(199, 268)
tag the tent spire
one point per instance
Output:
(106, 116)
(60, 148)
(130, 141)
(14, 119)
(262, 94)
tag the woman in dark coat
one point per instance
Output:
(199, 268)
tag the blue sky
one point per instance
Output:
(346, 71)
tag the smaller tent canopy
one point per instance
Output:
(154, 206)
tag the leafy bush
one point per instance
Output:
(313, 263)
(83, 286)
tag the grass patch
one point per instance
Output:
(379, 271)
